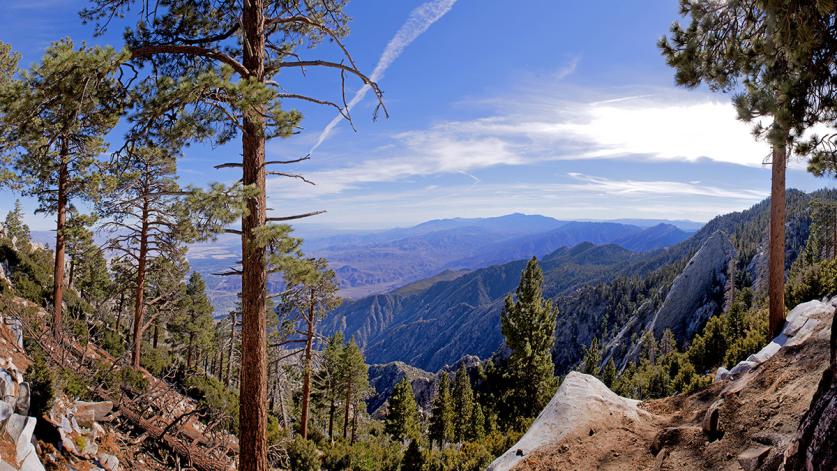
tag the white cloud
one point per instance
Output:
(660, 187)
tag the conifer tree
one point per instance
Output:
(310, 294)
(779, 59)
(55, 123)
(442, 418)
(402, 419)
(194, 327)
(215, 65)
(413, 459)
(143, 213)
(14, 227)
(476, 430)
(463, 404)
(528, 326)
(609, 374)
(356, 387)
(329, 379)
(592, 359)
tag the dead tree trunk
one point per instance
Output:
(232, 345)
(139, 294)
(306, 380)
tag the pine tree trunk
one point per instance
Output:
(346, 410)
(253, 375)
(139, 294)
(306, 380)
(156, 334)
(58, 274)
(332, 409)
(189, 351)
(72, 271)
(230, 355)
(777, 242)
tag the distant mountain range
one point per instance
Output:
(602, 289)
(380, 261)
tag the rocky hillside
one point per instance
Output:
(749, 418)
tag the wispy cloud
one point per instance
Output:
(659, 187)
(420, 19)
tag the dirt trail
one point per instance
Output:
(759, 411)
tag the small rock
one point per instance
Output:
(721, 374)
(100, 410)
(109, 462)
(751, 458)
(519, 452)
(23, 399)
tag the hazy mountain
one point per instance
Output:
(603, 291)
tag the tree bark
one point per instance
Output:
(306, 380)
(346, 413)
(776, 278)
(139, 294)
(189, 350)
(58, 273)
(230, 354)
(332, 409)
(253, 375)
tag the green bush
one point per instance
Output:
(41, 385)
(155, 360)
(303, 455)
(812, 282)
(212, 394)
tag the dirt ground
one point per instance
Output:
(761, 408)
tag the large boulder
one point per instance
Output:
(580, 401)
(815, 445)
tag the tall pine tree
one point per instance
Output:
(214, 70)
(442, 418)
(778, 57)
(402, 419)
(528, 325)
(55, 118)
(463, 404)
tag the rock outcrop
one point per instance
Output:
(689, 302)
(383, 379)
(581, 401)
(747, 420)
(815, 446)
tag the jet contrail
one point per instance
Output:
(417, 23)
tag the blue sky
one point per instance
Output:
(561, 108)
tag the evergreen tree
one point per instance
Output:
(213, 70)
(476, 430)
(609, 374)
(592, 359)
(56, 122)
(329, 380)
(402, 420)
(528, 325)
(193, 329)
(778, 68)
(413, 459)
(668, 344)
(463, 404)
(442, 419)
(145, 216)
(355, 385)
(310, 294)
(15, 229)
